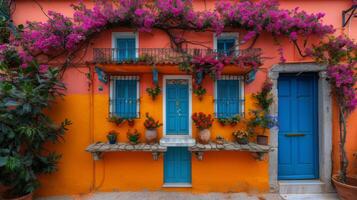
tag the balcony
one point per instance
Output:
(143, 58)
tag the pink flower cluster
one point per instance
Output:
(265, 15)
(340, 54)
(343, 78)
(64, 33)
(213, 64)
(208, 64)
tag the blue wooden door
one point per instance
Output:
(177, 105)
(298, 135)
(177, 165)
(126, 49)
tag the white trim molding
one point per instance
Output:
(184, 77)
(324, 132)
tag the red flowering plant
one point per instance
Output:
(202, 121)
(150, 123)
(340, 56)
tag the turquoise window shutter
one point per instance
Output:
(125, 100)
(228, 98)
(126, 49)
(226, 46)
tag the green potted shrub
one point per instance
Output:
(151, 126)
(153, 91)
(230, 120)
(112, 137)
(25, 93)
(133, 136)
(117, 120)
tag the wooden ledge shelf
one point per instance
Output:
(256, 150)
(99, 148)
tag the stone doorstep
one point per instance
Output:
(301, 187)
(325, 196)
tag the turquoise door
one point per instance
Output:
(177, 165)
(298, 139)
(126, 49)
(177, 105)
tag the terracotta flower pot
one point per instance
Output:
(204, 136)
(346, 191)
(151, 136)
(25, 197)
(3, 189)
(262, 139)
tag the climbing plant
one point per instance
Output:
(340, 56)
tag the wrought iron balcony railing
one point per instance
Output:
(162, 55)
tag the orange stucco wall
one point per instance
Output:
(87, 107)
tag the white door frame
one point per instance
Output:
(184, 77)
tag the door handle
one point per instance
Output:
(294, 134)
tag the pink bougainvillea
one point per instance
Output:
(340, 55)
(66, 33)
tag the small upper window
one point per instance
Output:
(125, 47)
(229, 96)
(226, 44)
(124, 96)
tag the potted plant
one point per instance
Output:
(241, 137)
(234, 120)
(261, 117)
(203, 122)
(133, 136)
(151, 128)
(229, 120)
(262, 120)
(154, 91)
(112, 137)
(117, 120)
(220, 139)
(223, 121)
(199, 91)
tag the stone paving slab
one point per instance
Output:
(165, 196)
(332, 196)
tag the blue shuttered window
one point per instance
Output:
(125, 49)
(228, 98)
(124, 96)
(226, 46)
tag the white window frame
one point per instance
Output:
(116, 35)
(184, 77)
(231, 35)
(241, 90)
(113, 95)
